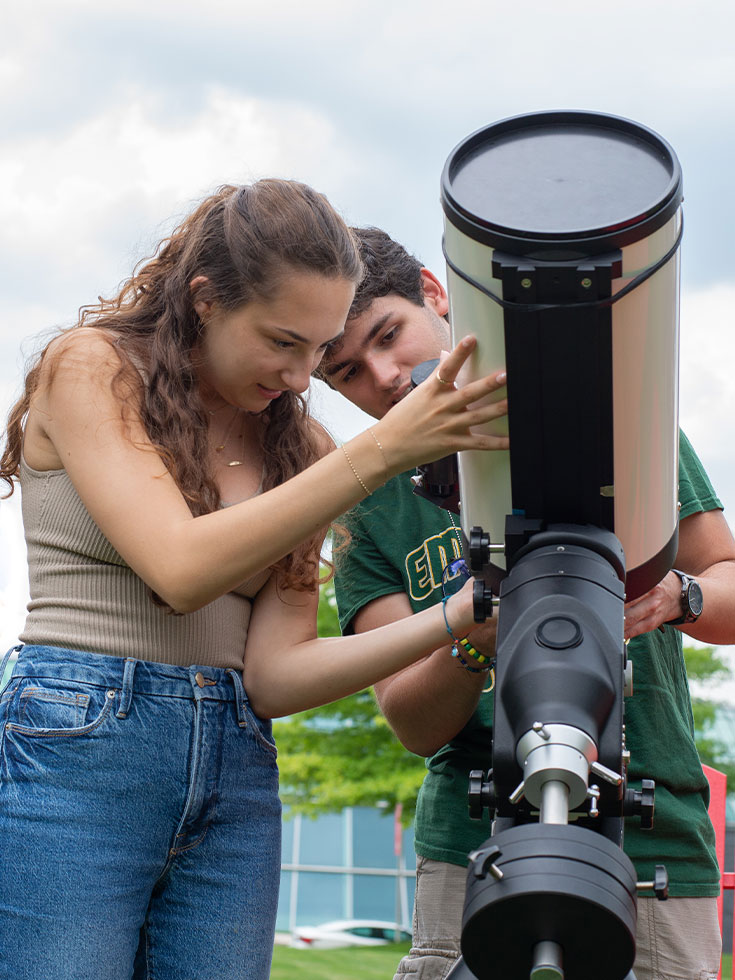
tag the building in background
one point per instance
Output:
(357, 864)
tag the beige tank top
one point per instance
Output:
(85, 597)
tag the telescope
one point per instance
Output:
(562, 233)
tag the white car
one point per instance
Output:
(348, 932)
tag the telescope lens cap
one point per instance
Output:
(559, 633)
(584, 182)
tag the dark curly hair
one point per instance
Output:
(389, 268)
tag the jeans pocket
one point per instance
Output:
(45, 711)
(262, 729)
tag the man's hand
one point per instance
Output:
(649, 611)
(706, 552)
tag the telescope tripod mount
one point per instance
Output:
(551, 895)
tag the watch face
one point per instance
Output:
(694, 599)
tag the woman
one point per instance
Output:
(175, 495)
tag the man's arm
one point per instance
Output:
(707, 552)
(429, 702)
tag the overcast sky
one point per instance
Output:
(116, 117)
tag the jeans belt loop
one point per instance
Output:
(126, 695)
(242, 718)
(5, 662)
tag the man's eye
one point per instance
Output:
(389, 336)
(283, 344)
(349, 375)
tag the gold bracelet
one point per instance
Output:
(382, 453)
(357, 475)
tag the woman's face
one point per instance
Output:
(250, 356)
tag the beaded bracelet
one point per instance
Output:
(468, 666)
(475, 654)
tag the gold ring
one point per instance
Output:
(441, 380)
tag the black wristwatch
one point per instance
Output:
(691, 600)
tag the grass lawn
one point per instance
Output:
(354, 963)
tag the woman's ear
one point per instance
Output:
(202, 306)
(435, 295)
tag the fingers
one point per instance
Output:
(654, 609)
(450, 364)
(490, 442)
(476, 390)
(486, 413)
(482, 441)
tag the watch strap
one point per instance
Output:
(687, 615)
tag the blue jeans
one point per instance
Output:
(139, 822)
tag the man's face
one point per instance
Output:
(372, 365)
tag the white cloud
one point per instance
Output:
(13, 573)
(707, 359)
(77, 203)
(65, 192)
(707, 393)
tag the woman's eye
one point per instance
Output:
(284, 344)
(349, 375)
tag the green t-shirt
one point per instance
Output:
(401, 543)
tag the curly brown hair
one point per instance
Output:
(243, 241)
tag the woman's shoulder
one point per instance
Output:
(81, 357)
(75, 379)
(83, 343)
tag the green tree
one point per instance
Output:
(704, 665)
(344, 754)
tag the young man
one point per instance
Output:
(395, 566)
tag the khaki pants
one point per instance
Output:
(676, 940)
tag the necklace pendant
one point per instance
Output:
(235, 462)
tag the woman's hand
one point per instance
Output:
(437, 419)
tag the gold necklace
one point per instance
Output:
(226, 436)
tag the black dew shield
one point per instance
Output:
(562, 234)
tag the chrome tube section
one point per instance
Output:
(554, 803)
(547, 962)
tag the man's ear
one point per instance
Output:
(435, 295)
(202, 306)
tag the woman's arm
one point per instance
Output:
(190, 561)
(288, 669)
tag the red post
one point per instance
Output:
(717, 809)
